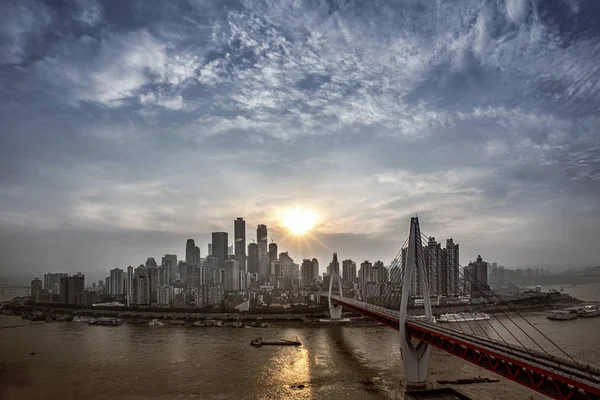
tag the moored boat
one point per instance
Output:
(590, 310)
(463, 317)
(156, 322)
(562, 315)
(103, 321)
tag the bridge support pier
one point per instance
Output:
(415, 358)
(335, 311)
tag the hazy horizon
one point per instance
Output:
(128, 127)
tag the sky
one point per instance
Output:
(127, 127)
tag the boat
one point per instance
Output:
(81, 319)
(155, 322)
(105, 321)
(562, 315)
(467, 381)
(257, 342)
(590, 310)
(463, 317)
(424, 318)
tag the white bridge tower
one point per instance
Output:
(335, 311)
(415, 358)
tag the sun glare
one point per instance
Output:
(299, 221)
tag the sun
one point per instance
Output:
(299, 221)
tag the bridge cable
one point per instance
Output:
(489, 323)
(459, 322)
(523, 318)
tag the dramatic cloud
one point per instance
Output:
(153, 121)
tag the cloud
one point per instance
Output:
(23, 24)
(174, 118)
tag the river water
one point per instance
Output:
(78, 361)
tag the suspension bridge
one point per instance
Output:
(495, 344)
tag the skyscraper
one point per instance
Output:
(263, 259)
(129, 290)
(197, 255)
(349, 271)
(36, 289)
(452, 263)
(190, 252)
(117, 276)
(232, 275)
(70, 289)
(272, 252)
(253, 258)
(169, 261)
(220, 247)
(239, 233)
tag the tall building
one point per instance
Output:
(348, 271)
(129, 290)
(190, 252)
(288, 270)
(379, 273)
(253, 258)
(272, 252)
(52, 282)
(263, 258)
(117, 277)
(452, 265)
(239, 235)
(36, 289)
(232, 275)
(476, 279)
(197, 255)
(220, 247)
(365, 273)
(141, 290)
(169, 261)
(433, 264)
(441, 268)
(307, 271)
(71, 288)
(209, 250)
(151, 263)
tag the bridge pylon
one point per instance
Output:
(415, 358)
(335, 311)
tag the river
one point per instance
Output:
(78, 361)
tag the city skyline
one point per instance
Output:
(128, 129)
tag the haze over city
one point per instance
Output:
(127, 128)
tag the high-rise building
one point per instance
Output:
(151, 263)
(169, 261)
(190, 252)
(36, 289)
(219, 247)
(365, 273)
(263, 258)
(239, 234)
(433, 265)
(117, 276)
(288, 270)
(141, 290)
(272, 252)
(52, 282)
(129, 290)
(210, 253)
(197, 255)
(308, 273)
(452, 265)
(476, 279)
(71, 288)
(348, 271)
(232, 275)
(253, 258)
(107, 285)
(379, 273)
